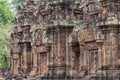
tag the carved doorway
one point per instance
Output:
(28, 57)
(76, 49)
(43, 62)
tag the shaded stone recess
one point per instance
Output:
(66, 40)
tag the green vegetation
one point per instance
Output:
(6, 15)
(6, 20)
(4, 45)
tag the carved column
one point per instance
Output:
(68, 52)
(70, 62)
(111, 45)
(50, 52)
(57, 57)
(114, 47)
(39, 60)
(100, 54)
(15, 55)
(25, 58)
(15, 63)
(48, 46)
(61, 51)
(34, 59)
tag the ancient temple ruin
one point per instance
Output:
(66, 40)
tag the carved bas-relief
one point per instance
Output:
(66, 40)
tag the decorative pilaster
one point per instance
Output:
(111, 44)
(25, 58)
(34, 59)
(100, 40)
(61, 59)
(15, 63)
(114, 44)
(70, 63)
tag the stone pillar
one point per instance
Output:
(87, 59)
(111, 45)
(58, 55)
(15, 55)
(100, 58)
(50, 53)
(52, 46)
(68, 52)
(61, 51)
(34, 57)
(60, 48)
(114, 47)
(25, 58)
(48, 46)
(39, 63)
(70, 62)
(15, 63)
(85, 56)
(100, 53)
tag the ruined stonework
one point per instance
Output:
(66, 40)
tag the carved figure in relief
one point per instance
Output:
(24, 35)
(38, 37)
(67, 25)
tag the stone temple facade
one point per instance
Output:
(66, 40)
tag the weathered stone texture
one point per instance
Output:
(67, 40)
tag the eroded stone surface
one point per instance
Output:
(66, 40)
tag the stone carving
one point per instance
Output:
(64, 33)
(38, 37)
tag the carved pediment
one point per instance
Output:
(85, 34)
